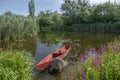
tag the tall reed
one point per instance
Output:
(96, 27)
(14, 27)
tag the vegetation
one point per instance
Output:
(14, 27)
(96, 27)
(78, 16)
(106, 13)
(75, 11)
(49, 21)
(15, 65)
(102, 64)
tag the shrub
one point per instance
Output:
(15, 66)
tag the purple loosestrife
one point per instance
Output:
(91, 53)
(115, 48)
(102, 50)
(82, 70)
(83, 57)
(96, 62)
(92, 50)
(83, 77)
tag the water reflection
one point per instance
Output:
(80, 40)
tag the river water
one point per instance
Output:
(48, 42)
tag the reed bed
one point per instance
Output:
(96, 27)
(15, 27)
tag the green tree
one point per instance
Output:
(8, 13)
(44, 19)
(31, 8)
(75, 11)
(106, 13)
(49, 20)
(57, 21)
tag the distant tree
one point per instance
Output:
(107, 13)
(44, 19)
(31, 8)
(56, 18)
(75, 11)
(47, 19)
(8, 13)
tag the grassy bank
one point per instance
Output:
(102, 64)
(15, 66)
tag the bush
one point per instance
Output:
(15, 66)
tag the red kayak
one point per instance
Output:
(60, 53)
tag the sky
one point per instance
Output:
(20, 7)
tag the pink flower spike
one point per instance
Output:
(93, 50)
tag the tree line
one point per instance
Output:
(77, 15)
(80, 15)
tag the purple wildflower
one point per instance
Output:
(98, 55)
(116, 49)
(83, 74)
(83, 77)
(102, 50)
(92, 50)
(82, 57)
(97, 61)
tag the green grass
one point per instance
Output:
(15, 65)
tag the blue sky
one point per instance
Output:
(21, 6)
